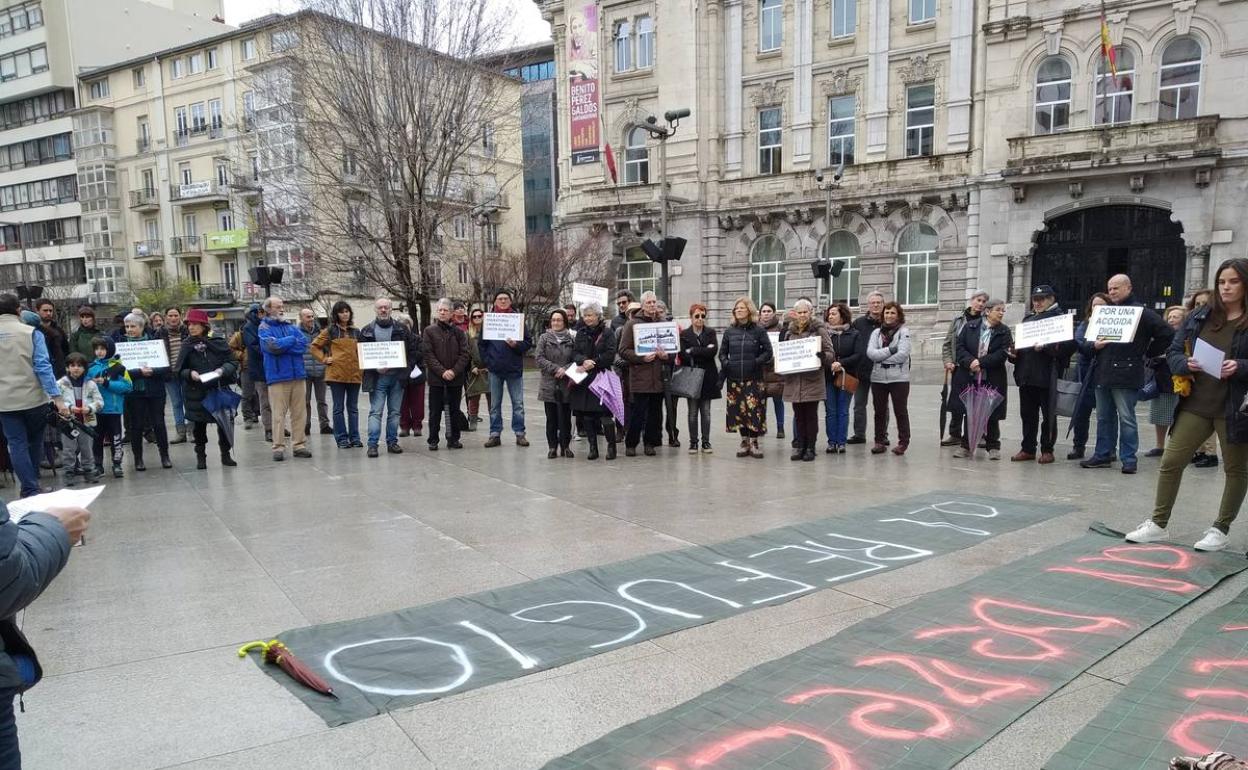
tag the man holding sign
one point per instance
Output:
(504, 359)
(1036, 367)
(384, 380)
(1120, 371)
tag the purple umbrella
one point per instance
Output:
(606, 386)
(981, 401)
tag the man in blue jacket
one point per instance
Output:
(283, 344)
(504, 360)
(256, 385)
(32, 553)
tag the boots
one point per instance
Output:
(808, 455)
(593, 447)
(755, 452)
(744, 450)
(226, 460)
(799, 451)
(611, 439)
(201, 457)
(181, 437)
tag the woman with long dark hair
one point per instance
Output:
(838, 321)
(336, 347)
(889, 349)
(770, 321)
(1210, 405)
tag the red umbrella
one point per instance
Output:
(276, 652)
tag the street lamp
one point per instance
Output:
(823, 267)
(264, 243)
(669, 248)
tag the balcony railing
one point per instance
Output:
(216, 292)
(145, 198)
(148, 249)
(1132, 142)
(185, 245)
(198, 191)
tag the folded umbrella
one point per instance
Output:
(944, 408)
(275, 652)
(222, 403)
(981, 401)
(606, 386)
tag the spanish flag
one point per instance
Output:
(1107, 48)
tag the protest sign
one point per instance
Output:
(1114, 323)
(797, 356)
(649, 338)
(503, 327)
(775, 340)
(1045, 331)
(584, 292)
(138, 354)
(382, 355)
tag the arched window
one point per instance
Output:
(1052, 96)
(636, 157)
(636, 273)
(1115, 93)
(842, 245)
(918, 267)
(767, 271)
(1180, 79)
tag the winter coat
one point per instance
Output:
(1123, 364)
(991, 364)
(411, 348)
(80, 341)
(502, 359)
(282, 344)
(744, 352)
(773, 382)
(151, 385)
(58, 346)
(116, 381)
(845, 344)
(312, 365)
(643, 376)
(595, 344)
(890, 363)
(476, 384)
(91, 398)
(239, 349)
(251, 342)
(1237, 386)
(1040, 368)
(341, 344)
(948, 349)
(445, 349)
(702, 351)
(32, 553)
(805, 387)
(554, 352)
(203, 355)
(865, 325)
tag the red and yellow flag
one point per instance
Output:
(1107, 47)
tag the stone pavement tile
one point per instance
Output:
(532, 722)
(115, 534)
(1030, 741)
(156, 712)
(362, 586)
(376, 744)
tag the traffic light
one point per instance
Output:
(827, 268)
(667, 250)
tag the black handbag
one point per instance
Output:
(686, 382)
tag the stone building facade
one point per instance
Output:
(955, 173)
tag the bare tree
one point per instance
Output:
(377, 126)
(542, 274)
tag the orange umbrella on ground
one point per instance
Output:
(277, 653)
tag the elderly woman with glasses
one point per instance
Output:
(699, 347)
(593, 352)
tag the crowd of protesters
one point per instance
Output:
(596, 384)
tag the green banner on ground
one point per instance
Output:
(1191, 701)
(924, 685)
(420, 654)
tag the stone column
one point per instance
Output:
(877, 77)
(958, 94)
(1018, 277)
(1197, 269)
(803, 81)
(733, 40)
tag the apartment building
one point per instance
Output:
(49, 238)
(975, 143)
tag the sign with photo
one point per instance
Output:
(652, 337)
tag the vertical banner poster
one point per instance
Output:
(583, 83)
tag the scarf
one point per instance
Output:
(887, 332)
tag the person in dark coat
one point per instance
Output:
(771, 322)
(593, 351)
(259, 389)
(1035, 371)
(1120, 371)
(82, 339)
(744, 353)
(145, 403)
(645, 381)
(699, 347)
(982, 352)
(1210, 404)
(445, 351)
(53, 334)
(1085, 357)
(554, 357)
(865, 324)
(838, 322)
(202, 354)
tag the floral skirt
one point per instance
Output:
(747, 406)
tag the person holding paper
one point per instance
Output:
(593, 352)
(889, 351)
(504, 359)
(805, 390)
(385, 386)
(645, 380)
(1120, 371)
(744, 354)
(699, 346)
(446, 355)
(336, 346)
(554, 357)
(1213, 406)
(982, 352)
(205, 363)
(145, 403)
(1035, 371)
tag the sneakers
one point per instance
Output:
(994, 454)
(706, 448)
(1148, 532)
(303, 452)
(1096, 462)
(1129, 468)
(961, 452)
(1214, 540)
(394, 449)
(744, 449)
(693, 447)
(372, 451)
(1155, 452)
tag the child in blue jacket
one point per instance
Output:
(114, 382)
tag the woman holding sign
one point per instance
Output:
(1214, 334)
(554, 357)
(145, 403)
(804, 390)
(889, 350)
(744, 356)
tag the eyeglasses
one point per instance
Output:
(699, 315)
(477, 317)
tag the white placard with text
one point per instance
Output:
(503, 326)
(1044, 331)
(1114, 323)
(584, 292)
(797, 356)
(138, 354)
(382, 355)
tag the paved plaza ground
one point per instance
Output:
(138, 635)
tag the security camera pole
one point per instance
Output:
(828, 180)
(662, 133)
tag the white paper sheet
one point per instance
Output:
(575, 374)
(209, 376)
(1209, 358)
(80, 498)
(415, 372)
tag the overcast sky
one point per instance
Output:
(529, 25)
